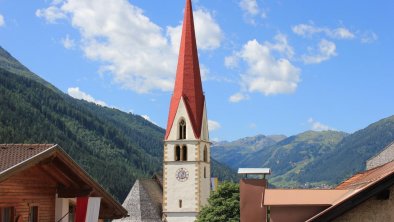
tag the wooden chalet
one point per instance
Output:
(41, 182)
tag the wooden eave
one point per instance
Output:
(72, 180)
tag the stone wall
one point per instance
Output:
(387, 155)
(371, 210)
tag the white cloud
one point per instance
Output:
(282, 46)
(204, 72)
(342, 33)
(76, 93)
(237, 97)
(267, 72)
(231, 62)
(325, 51)
(253, 126)
(369, 37)
(307, 30)
(67, 42)
(51, 14)
(216, 139)
(317, 126)
(251, 10)
(213, 125)
(56, 2)
(2, 22)
(250, 6)
(208, 33)
(148, 118)
(136, 51)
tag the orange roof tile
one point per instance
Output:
(364, 178)
(363, 185)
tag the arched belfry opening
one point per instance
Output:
(180, 153)
(184, 153)
(182, 129)
(177, 153)
(205, 154)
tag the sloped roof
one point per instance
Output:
(14, 154)
(294, 197)
(364, 185)
(362, 179)
(144, 202)
(188, 79)
(51, 159)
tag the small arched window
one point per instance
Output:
(177, 153)
(184, 153)
(205, 154)
(205, 172)
(182, 129)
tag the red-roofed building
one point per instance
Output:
(366, 196)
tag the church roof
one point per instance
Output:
(188, 79)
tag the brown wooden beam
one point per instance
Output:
(58, 175)
(73, 192)
(68, 172)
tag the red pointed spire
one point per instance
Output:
(188, 80)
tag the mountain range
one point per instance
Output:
(114, 147)
(309, 159)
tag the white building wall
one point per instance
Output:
(181, 217)
(62, 208)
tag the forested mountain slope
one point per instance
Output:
(310, 159)
(113, 146)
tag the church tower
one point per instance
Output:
(186, 176)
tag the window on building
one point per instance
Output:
(205, 172)
(177, 153)
(7, 214)
(33, 214)
(184, 153)
(182, 130)
(205, 154)
(180, 203)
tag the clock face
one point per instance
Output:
(182, 174)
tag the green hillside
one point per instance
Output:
(350, 155)
(310, 159)
(113, 146)
(234, 153)
(287, 157)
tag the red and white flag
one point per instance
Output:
(88, 209)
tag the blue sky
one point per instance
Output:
(269, 66)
